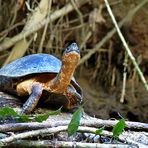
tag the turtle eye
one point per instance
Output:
(68, 49)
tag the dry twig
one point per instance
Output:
(125, 44)
(65, 144)
(45, 29)
(124, 77)
(53, 130)
(54, 121)
(63, 11)
(130, 14)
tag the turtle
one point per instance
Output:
(32, 74)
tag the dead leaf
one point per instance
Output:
(21, 46)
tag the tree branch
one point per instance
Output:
(63, 11)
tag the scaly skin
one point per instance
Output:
(62, 80)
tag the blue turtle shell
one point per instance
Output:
(32, 64)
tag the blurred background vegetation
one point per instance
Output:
(100, 72)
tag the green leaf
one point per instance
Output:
(24, 118)
(75, 122)
(7, 111)
(43, 117)
(10, 114)
(100, 130)
(118, 128)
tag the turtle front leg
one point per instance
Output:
(33, 99)
(74, 99)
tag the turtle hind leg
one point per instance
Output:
(33, 99)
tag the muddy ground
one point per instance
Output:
(105, 104)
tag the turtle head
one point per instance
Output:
(72, 48)
(71, 55)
